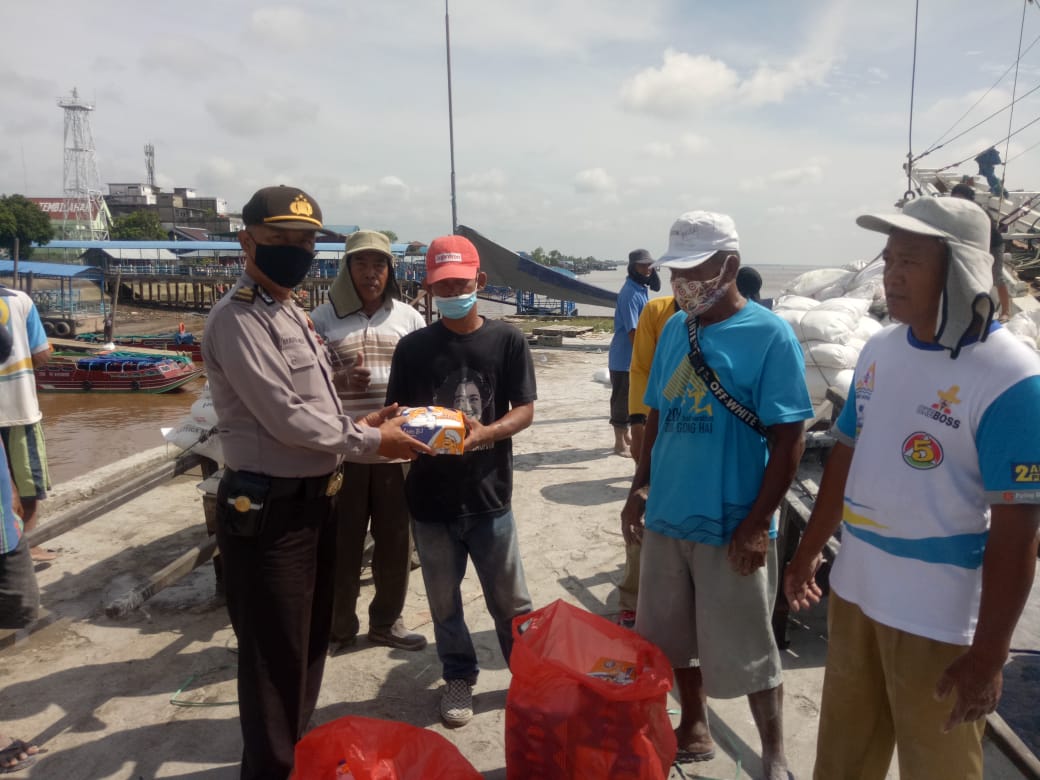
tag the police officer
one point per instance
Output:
(284, 434)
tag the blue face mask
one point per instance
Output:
(457, 306)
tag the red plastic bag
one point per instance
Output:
(354, 748)
(587, 700)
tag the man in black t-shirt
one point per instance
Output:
(461, 504)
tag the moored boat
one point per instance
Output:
(179, 341)
(113, 371)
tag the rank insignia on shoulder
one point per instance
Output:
(264, 295)
(244, 294)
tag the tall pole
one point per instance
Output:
(451, 122)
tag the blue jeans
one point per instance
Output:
(443, 550)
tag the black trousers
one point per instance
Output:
(279, 597)
(372, 497)
(19, 594)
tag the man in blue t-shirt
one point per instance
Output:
(630, 302)
(724, 441)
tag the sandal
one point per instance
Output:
(14, 751)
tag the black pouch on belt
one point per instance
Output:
(242, 502)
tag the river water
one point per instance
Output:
(85, 431)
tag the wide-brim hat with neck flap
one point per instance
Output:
(965, 229)
(343, 295)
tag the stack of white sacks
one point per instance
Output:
(197, 430)
(1026, 326)
(828, 310)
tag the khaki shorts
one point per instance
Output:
(878, 692)
(700, 612)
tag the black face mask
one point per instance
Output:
(286, 266)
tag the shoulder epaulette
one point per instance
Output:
(244, 294)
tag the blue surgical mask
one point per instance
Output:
(457, 306)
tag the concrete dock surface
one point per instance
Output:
(152, 695)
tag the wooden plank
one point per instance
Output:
(88, 347)
(1012, 746)
(163, 578)
(107, 500)
(562, 330)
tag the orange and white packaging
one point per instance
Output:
(443, 429)
(620, 672)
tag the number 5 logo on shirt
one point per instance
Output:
(921, 451)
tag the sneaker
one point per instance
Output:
(627, 618)
(397, 636)
(457, 703)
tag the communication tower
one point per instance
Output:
(85, 215)
(149, 164)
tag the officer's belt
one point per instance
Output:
(305, 488)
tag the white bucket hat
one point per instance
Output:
(696, 236)
(965, 229)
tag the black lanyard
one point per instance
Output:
(731, 404)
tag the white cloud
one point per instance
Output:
(645, 182)
(684, 83)
(594, 180)
(242, 115)
(659, 150)
(691, 143)
(793, 177)
(492, 179)
(282, 26)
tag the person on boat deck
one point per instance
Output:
(934, 569)
(630, 302)
(988, 162)
(717, 472)
(361, 324)
(20, 417)
(19, 593)
(996, 248)
(283, 433)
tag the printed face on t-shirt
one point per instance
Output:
(465, 391)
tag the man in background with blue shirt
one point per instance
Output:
(724, 439)
(630, 302)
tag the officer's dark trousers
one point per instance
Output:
(279, 597)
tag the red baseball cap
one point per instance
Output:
(451, 257)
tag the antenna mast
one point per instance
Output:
(149, 164)
(84, 207)
(451, 122)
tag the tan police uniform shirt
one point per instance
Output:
(272, 389)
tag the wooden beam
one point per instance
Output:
(162, 579)
(107, 500)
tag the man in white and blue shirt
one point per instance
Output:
(935, 482)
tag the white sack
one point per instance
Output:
(835, 356)
(832, 321)
(811, 282)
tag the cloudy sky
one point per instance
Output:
(581, 125)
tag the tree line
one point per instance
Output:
(578, 265)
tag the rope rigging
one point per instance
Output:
(1014, 87)
(939, 142)
(913, 82)
(1015, 98)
